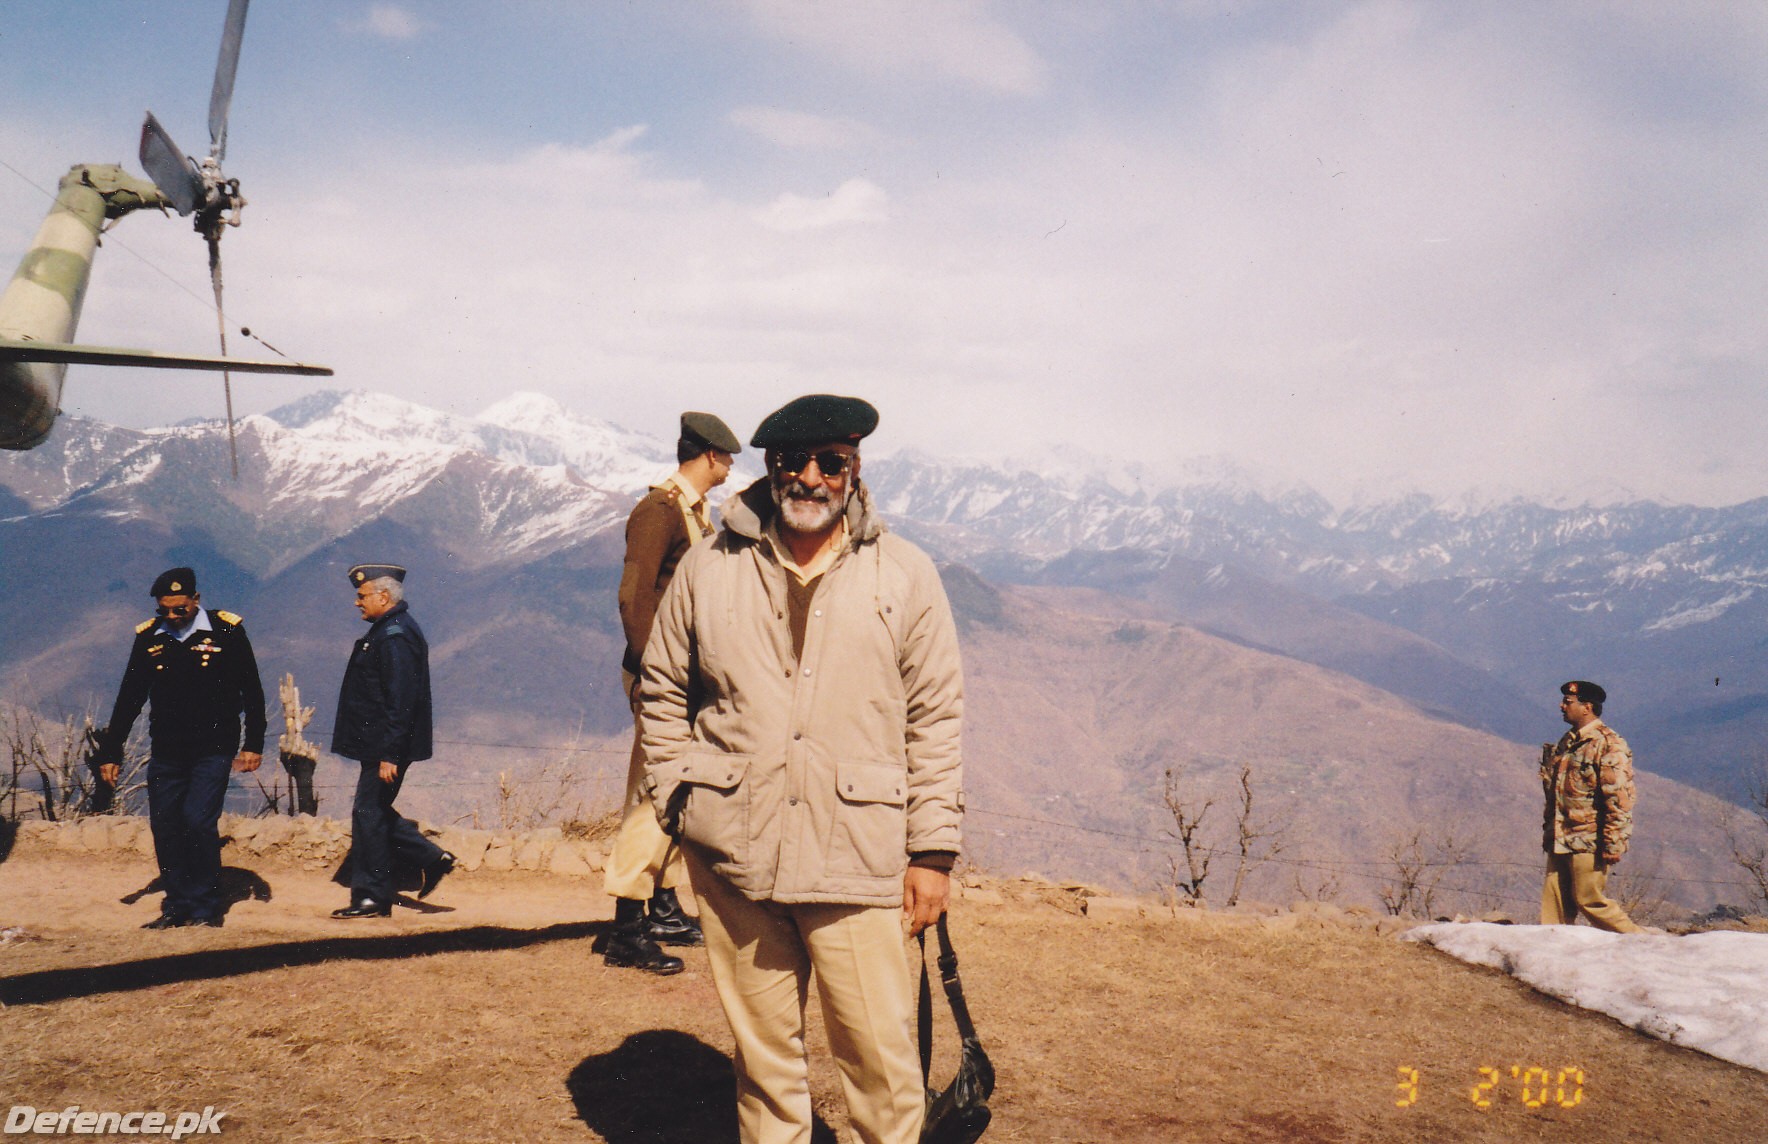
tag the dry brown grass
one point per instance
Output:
(494, 1022)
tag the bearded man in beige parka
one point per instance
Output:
(800, 704)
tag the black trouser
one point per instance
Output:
(380, 837)
(184, 799)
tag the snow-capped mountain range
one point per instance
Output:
(1656, 597)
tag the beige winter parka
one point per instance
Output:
(806, 781)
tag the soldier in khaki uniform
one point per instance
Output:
(1588, 780)
(642, 869)
(801, 700)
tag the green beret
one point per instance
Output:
(174, 582)
(709, 430)
(815, 418)
(363, 573)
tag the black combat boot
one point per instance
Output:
(631, 946)
(668, 925)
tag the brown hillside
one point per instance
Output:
(487, 1018)
(1073, 717)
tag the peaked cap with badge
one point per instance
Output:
(814, 418)
(174, 582)
(363, 573)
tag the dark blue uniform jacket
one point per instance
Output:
(199, 690)
(384, 705)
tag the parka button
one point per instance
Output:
(792, 801)
(797, 735)
(807, 671)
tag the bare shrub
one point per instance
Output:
(1424, 862)
(1747, 836)
(48, 771)
(1256, 838)
(552, 795)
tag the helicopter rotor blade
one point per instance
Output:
(171, 169)
(221, 98)
(221, 327)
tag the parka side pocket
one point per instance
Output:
(715, 809)
(870, 834)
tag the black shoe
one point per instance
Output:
(435, 872)
(668, 925)
(167, 921)
(629, 946)
(365, 908)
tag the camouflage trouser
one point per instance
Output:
(1579, 882)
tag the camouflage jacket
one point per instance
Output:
(1588, 780)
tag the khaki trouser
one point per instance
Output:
(1579, 882)
(635, 867)
(762, 955)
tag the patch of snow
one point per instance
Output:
(1706, 991)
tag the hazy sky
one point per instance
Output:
(1517, 246)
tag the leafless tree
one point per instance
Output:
(1179, 796)
(1255, 842)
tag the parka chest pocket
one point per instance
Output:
(715, 802)
(870, 833)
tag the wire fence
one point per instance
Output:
(1375, 871)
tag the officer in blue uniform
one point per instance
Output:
(384, 724)
(196, 668)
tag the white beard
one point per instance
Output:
(801, 511)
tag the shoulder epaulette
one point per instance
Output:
(144, 625)
(229, 617)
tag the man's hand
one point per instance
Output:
(389, 771)
(925, 895)
(110, 772)
(247, 761)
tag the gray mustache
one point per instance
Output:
(799, 491)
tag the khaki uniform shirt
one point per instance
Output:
(663, 526)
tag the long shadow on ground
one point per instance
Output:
(212, 964)
(663, 1087)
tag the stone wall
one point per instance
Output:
(321, 843)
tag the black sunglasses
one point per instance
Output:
(828, 462)
(180, 610)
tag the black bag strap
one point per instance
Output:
(954, 994)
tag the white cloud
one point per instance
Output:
(1390, 248)
(955, 39)
(798, 129)
(391, 22)
(854, 201)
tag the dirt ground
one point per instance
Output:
(486, 1017)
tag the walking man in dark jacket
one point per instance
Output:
(384, 724)
(197, 669)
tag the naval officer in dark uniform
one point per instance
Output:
(196, 668)
(384, 724)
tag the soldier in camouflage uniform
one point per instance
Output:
(1588, 779)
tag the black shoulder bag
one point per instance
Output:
(959, 1114)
